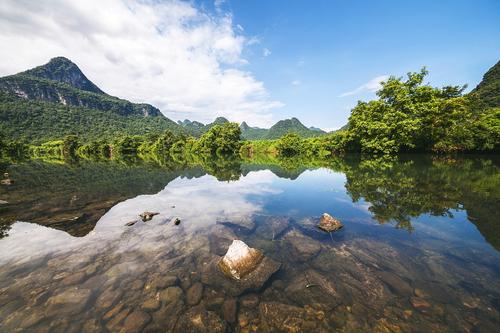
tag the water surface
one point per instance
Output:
(418, 251)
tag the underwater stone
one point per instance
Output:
(148, 216)
(329, 224)
(240, 260)
(193, 294)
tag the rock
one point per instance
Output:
(162, 282)
(271, 227)
(329, 224)
(108, 298)
(69, 302)
(197, 319)
(113, 312)
(311, 287)
(395, 283)
(249, 301)
(115, 322)
(240, 260)
(171, 294)
(148, 216)
(131, 223)
(135, 322)
(193, 294)
(175, 221)
(151, 304)
(282, 317)
(7, 182)
(73, 278)
(3, 202)
(253, 281)
(302, 247)
(420, 304)
(229, 309)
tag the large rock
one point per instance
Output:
(329, 224)
(69, 302)
(212, 276)
(240, 260)
(311, 287)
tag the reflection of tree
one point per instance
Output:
(223, 168)
(401, 189)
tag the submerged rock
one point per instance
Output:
(198, 319)
(243, 223)
(229, 309)
(69, 302)
(301, 246)
(329, 224)
(194, 293)
(212, 276)
(148, 216)
(240, 260)
(135, 322)
(282, 317)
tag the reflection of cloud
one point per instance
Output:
(199, 203)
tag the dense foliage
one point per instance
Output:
(486, 94)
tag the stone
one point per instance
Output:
(249, 301)
(148, 216)
(151, 304)
(302, 247)
(131, 223)
(329, 224)
(240, 260)
(282, 317)
(271, 227)
(113, 312)
(135, 322)
(108, 298)
(171, 294)
(3, 202)
(193, 294)
(395, 283)
(69, 302)
(220, 238)
(175, 221)
(198, 320)
(311, 287)
(229, 309)
(212, 276)
(73, 278)
(420, 304)
(117, 319)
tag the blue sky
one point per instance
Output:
(253, 60)
(322, 49)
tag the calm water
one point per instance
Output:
(419, 251)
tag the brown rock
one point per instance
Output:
(171, 294)
(193, 295)
(148, 216)
(135, 322)
(107, 298)
(249, 301)
(199, 320)
(69, 302)
(282, 317)
(420, 304)
(240, 260)
(73, 278)
(329, 224)
(395, 283)
(229, 310)
(302, 247)
(151, 304)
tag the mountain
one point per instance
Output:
(56, 99)
(197, 129)
(487, 92)
(283, 127)
(252, 133)
(61, 81)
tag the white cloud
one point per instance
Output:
(295, 83)
(266, 52)
(370, 86)
(171, 54)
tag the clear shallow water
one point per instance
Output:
(418, 253)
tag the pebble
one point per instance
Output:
(229, 310)
(194, 293)
(135, 322)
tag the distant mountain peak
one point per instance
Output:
(63, 70)
(220, 120)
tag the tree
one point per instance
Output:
(70, 145)
(220, 140)
(289, 145)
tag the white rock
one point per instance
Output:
(240, 260)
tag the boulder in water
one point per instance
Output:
(240, 260)
(328, 223)
(148, 216)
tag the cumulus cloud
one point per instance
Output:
(370, 86)
(266, 52)
(174, 55)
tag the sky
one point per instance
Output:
(257, 61)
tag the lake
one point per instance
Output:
(419, 250)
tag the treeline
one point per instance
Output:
(408, 116)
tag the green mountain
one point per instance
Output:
(252, 133)
(197, 129)
(487, 92)
(292, 125)
(57, 99)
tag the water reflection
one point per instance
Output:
(156, 276)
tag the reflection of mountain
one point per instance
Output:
(74, 197)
